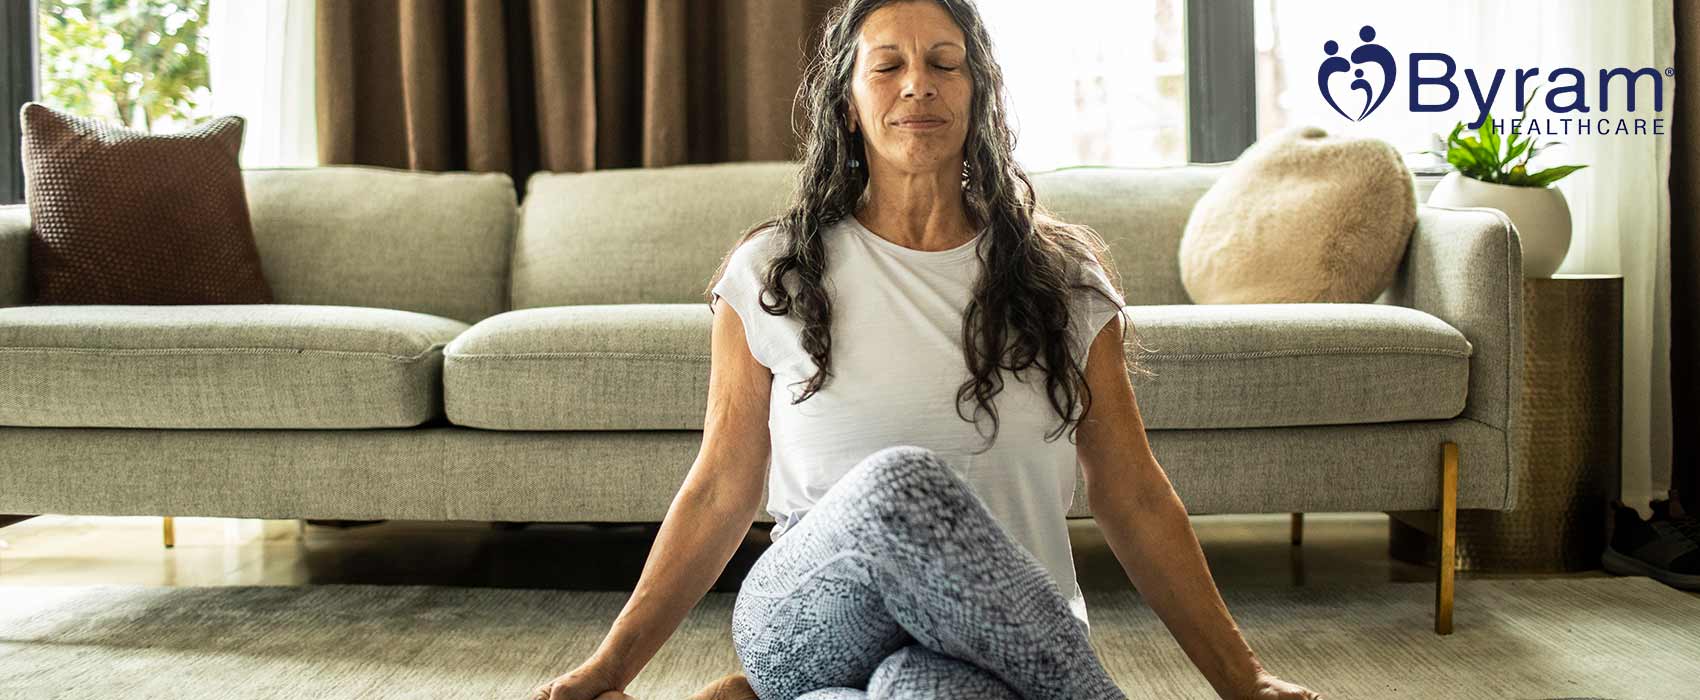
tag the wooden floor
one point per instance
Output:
(1243, 550)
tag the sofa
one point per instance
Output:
(441, 351)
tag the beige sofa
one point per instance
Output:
(439, 352)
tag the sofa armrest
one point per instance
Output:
(1465, 266)
(14, 255)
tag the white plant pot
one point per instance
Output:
(1541, 215)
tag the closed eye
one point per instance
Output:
(888, 69)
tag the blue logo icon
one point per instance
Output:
(1367, 53)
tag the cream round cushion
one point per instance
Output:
(1301, 216)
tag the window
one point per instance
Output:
(1091, 82)
(1291, 35)
(17, 86)
(141, 63)
(1130, 83)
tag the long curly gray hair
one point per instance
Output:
(1031, 260)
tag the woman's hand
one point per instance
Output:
(1268, 687)
(587, 682)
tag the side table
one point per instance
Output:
(1568, 469)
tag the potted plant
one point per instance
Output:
(1487, 172)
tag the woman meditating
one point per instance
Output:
(898, 357)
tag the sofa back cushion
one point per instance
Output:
(1140, 212)
(637, 235)
(431, 242)
(657, 235)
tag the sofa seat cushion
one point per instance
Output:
(220, 366)
(1275, 365)
(645, 367)
(586, 367)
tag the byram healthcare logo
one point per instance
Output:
(1568, 93)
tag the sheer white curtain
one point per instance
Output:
(1627, 210)
(1621, 202)
(260, 57)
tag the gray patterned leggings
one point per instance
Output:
(900, 583)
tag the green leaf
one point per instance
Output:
(1518, 176)
(1462, 160)
(1512, 147)
(1481, 157)
(1512, 154)
(1474, 146)
(1532, 97)
(1552, 174)
(1490, 139)
(1530, 142)
(1536, 150)
(1486, 164)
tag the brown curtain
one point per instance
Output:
(1685, 261)
(559, 85)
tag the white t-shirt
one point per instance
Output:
(897, 363)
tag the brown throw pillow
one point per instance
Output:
(120, 216)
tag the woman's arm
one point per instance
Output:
(1146, 525)
(698, 536)
(709, 517)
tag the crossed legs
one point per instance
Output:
(901, 583)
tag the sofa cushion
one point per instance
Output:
(655, 235)
(358, 235)
(1140, 211)
(645, 367)
(593, 367)
(637, 235)
(220, 366)
(1275, 365)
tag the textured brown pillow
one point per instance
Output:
(120, 216)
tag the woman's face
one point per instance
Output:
(911, 90)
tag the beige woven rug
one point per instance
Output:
(1538, 638)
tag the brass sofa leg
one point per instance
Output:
(1448, 533)
(170, 534)
(1298, 528)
